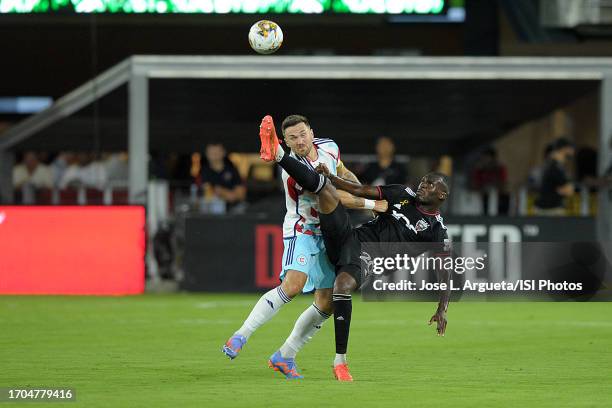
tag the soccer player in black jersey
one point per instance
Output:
(410, 217)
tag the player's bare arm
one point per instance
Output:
(359, 190)
(343, 172)
(440, 316)
(350, 201)
(359, 203)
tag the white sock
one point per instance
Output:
(306, 326)
(280, 152)
(265, 308)
(340, 359)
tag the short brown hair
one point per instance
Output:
(293, 120)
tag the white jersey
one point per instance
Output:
(302, 206)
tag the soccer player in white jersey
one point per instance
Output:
(305, 266)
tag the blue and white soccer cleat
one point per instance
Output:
(233, 346)
(286, 366)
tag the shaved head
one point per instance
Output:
(440, 179)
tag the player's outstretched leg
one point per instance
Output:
(307, 325)
(272, 151)
(267, 306)
(343, 307)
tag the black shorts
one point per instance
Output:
(342, 242)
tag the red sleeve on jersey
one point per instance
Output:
(293, 193)
(379, 193)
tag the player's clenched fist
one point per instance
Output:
(381, 206)
(322, 169)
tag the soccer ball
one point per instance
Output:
(265, 37)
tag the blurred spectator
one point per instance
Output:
(220, 177)
(488, 177)
(32, 172)
(117, 168)
(535, 175)
(84, 171)
(59, 166)
(555, 185)
(386, 170)
(71, 176)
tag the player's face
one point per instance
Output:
(429, 190)
(299, 139)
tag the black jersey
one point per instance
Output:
(404, 221)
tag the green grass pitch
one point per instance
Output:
(164, 350)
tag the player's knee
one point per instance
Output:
(345, 284)
(292, 289)
(293, 283)
(325, 305)
(329, 309)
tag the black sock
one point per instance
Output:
(305, 176)
(343, 306)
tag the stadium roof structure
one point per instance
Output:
(429, 105)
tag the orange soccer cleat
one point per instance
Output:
(285, 366)
(269, 141)
(341, 372)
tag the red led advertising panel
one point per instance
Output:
(72, 250)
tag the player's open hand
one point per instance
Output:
(322, 169)
(440, 319)
(381, 206)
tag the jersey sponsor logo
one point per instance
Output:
(301, 260)
(421, 225)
